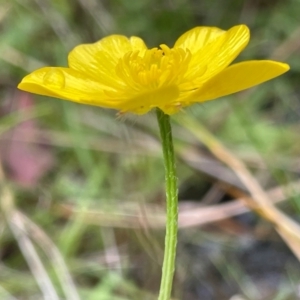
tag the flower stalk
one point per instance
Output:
(171, 205)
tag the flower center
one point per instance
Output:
(154, 68)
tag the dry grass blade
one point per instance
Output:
(100, 14)
(4, 294)
(286, 49)
(54, 255)
(286, 227)
(33, 260)
(58, 23)
(19, 226)
(19, 59)
(195, 215)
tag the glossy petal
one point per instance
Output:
(198, 37)
(217, 54)
(239, 77)
(67, 84)
(99, 60)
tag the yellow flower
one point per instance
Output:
(122, 73)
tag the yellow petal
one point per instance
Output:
(217, 54)
(99, 60)
(239, 77)
(66, 84)
(198, 37)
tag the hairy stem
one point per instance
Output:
(172, 206)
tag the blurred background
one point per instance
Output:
(82, 193)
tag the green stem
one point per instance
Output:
(172, 206)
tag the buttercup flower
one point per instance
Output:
(123, 74)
